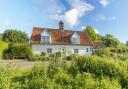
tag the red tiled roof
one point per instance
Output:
(97, 45)
(59, 37)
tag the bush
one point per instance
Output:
(84, 73)
(72, 57)
(6, 78)
(102, 52)
(103, 67)
(19, 51)
(38, 58)
(3, 47)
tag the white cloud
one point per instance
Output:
(50, 7)
(101, 17)
(78, 9)
(104, 3)
(6, 21)
(83, 27)
(56, 10)
(71, 17)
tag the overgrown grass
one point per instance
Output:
(84, 73)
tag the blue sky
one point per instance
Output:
(106, 16)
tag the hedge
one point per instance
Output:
(3, 46)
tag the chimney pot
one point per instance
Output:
(61, 25)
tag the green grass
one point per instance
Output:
(84, 73)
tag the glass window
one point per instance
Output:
(90, 49)
(75, 40)
(49, 50)
(87, 50)
(45, 39)
(76, 51)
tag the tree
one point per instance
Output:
(92, 34)
(126, 43)
(3, 47)
(0, 36)
(14, 36)
(110, 41)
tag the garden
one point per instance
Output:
(107, 68)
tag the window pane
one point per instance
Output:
(49, 50)
(45, 38)
(86, 49)
(76, 40)
(76, 51)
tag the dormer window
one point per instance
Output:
(45, 37)
(75, 38)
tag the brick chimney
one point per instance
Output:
(61, 25)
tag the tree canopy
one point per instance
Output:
(110, 41)
(92, 34)
(126, 43)
(14, 36)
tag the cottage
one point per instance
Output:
(51, 40)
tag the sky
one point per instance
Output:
(106, 16)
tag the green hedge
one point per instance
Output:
(3, 46)
(19, 50)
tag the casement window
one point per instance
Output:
(45, 39)
(49, 50)
(75, 38)
(87, 49)
(90, 49)
(76, 51)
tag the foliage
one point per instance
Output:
(14, 36)
(104, 67)
(72, 57)
(37, 57)
(92, 34)
(6, 78)
(126, 44)
(115, 53)
(110, 41)
(0, 37)
(19, 50)
(84, 73)
(3, 47)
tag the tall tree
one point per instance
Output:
(0, 36)
(92, 34)
(14, 36)
(126, 43)
(110, 41)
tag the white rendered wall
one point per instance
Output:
(37, 48)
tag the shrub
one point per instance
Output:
(20, 50)
(103, 67)
(3, 47)
(38, 58)
(6, 78)
(72, 57)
